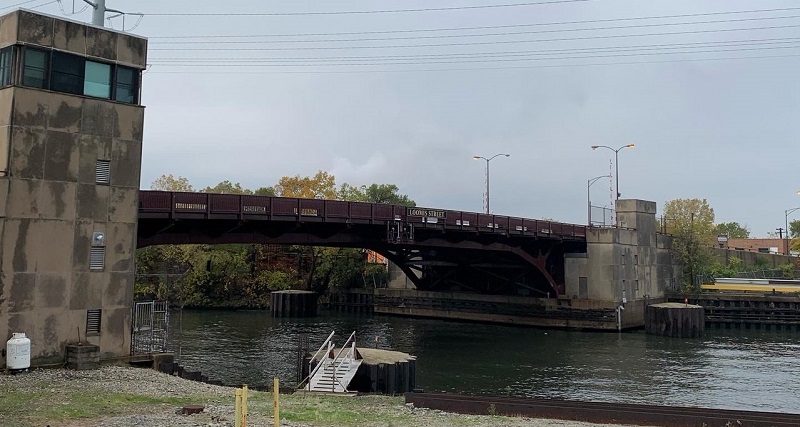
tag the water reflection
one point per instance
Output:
(735, 370)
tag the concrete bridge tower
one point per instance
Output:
(70, 157)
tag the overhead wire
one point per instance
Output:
(747, 42)
(482, 68)
(443, 36)
(21, 4)
(368, 12)
(490, 27)
(494, 42)
(494, 59)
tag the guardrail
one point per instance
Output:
(208, 205)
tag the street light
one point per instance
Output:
(588, 196)
(487, 174)
(616, 160)
(786, 219)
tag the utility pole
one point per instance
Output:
(99, 12)
(780, 232)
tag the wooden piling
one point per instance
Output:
(293, 303)
(675, 320)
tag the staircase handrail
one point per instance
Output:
(350, 353)
(326, 346)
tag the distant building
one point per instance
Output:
(765, 246)
(70, 158)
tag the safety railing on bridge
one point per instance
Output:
(159, 204)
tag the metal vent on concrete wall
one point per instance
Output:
(97, 258)
(93, 321)
(102, 171)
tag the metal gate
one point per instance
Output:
(149, 327)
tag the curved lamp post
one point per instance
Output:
(616, 160)
(487, 174)
(588, 195)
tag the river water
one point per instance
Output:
(750, 370)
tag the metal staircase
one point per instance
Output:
(335, 369)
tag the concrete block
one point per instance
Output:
(130, 123)
(8, 29)
(120, 246)
(30, 108)
(51, 290)
(23, 198)
(123, 205)
(53, 240)
(635, 205)
(27, 153)
(125, 163)
(35, 29)
(131, 50)
(92, 202)
(98, 118)
(57, 200)
(87, 290)
(6, 105)
(22, 294)
(63, 112)
(69, 36)
(115, 337)
(101, 43)
(119, 291)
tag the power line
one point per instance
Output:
(491, 27)
(509, 33)
(365, 12)
(480, 68)
(495, 59)
(26, 2)
(729, 43)
(18, 4)
(495, 42)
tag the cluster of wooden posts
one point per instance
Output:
(240, 407)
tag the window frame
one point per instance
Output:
(45, 67)
(110, 75)
(9, 52)
(57, 78)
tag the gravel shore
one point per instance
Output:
(115, 396)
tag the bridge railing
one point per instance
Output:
(206, 205)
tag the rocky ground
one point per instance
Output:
(115, 396)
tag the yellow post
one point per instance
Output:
(244, 407)
(238, 408)
(275, 402)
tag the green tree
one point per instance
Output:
(264, 191)
(794, 229)
(733, 230)
(227, 187)
(375, 193)
(171, 183)
(691, 222)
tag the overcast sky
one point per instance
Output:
(727, 130)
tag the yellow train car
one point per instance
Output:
(753, 285)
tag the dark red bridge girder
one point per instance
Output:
(446, 249)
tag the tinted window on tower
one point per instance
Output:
(98, 80)
(127, 83)
(6, 56)
(67, 75)
(34, 68)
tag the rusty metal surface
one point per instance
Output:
(175, 205)
(596, 412)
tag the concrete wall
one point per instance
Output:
(50, 205)
(755, 259)
(631, 261)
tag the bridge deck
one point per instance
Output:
(178, 205)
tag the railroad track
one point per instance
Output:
(596, 412)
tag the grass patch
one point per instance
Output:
(33, 408)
